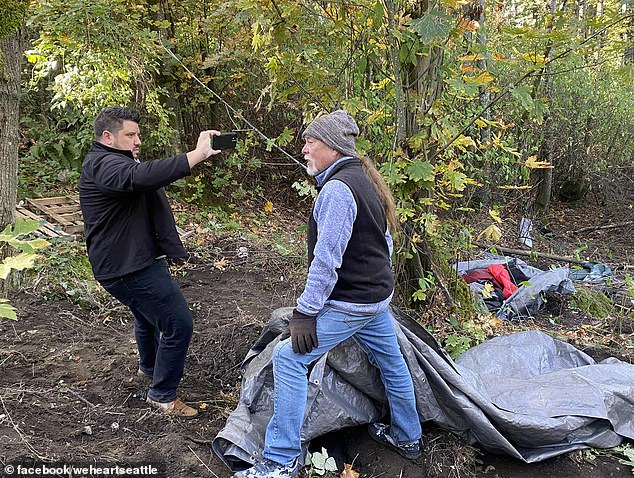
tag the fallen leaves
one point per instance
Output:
(348, 472)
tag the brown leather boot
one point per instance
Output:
(176, 408)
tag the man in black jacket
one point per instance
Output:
(130, 231)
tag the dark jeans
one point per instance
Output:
(163, 325)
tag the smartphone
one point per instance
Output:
(224, 141)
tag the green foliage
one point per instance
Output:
(320, 463)
(88, 55)
(624, 453)
(7, 311)
(27, 247)
(25, 259)
(592, 302)
(432, 27)
(425, 286)
(468, 333)
(627, 451)
(629, 281)
(60, 141)
(13, 15)
(305, 188)
(66, 275)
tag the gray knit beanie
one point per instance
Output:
(337, 130)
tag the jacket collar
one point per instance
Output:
(96, 145)
(321, 177)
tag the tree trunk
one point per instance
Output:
(417, 87)
(545, 176)
(11, 49)
(401, 107)
(628, 54)
(485, 93)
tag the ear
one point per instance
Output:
(107, 137)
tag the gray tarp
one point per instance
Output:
(528, 298)
(525, 395)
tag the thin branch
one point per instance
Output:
(609, 226)
(522, 252)
(227, 105)
(22, 436)
(203, 463)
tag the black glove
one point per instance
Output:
(303, 332)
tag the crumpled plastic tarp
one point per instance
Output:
(529, 298)
(526, 395)
(593, 272)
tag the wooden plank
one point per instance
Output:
(75, 217)
(49, 201)
(76, 229)
(46, 228)
(66, 209)
(49, 213)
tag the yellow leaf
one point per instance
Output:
(481, 79)
(471, 57)
(469, 25)
(499, 57)
(532, 163)
(492, 321)
(221, 264)
(455, 3)
(533, 57)
(203, 406)
(495, 215)
(348, 472)
(487, 292)
(268, 207)
(491, 233)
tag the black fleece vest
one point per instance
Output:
(365, 276)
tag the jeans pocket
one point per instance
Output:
(356, 321)
(119, 290)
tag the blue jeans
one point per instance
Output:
(376, 335)
(163, 325)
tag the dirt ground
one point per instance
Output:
(68, 391)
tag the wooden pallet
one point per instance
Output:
(46, 229)
(61, 210)
(61, 217)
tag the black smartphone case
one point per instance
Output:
(224, 141)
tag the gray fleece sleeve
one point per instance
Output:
(335, 212)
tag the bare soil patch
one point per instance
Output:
(69, 394)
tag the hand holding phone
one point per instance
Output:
(224, 141)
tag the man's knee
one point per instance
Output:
(177, 325)
(283, 352)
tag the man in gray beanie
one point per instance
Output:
(337, 130)
(347, 294)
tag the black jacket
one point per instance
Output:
(127, 219)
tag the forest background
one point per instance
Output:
(471, 109)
